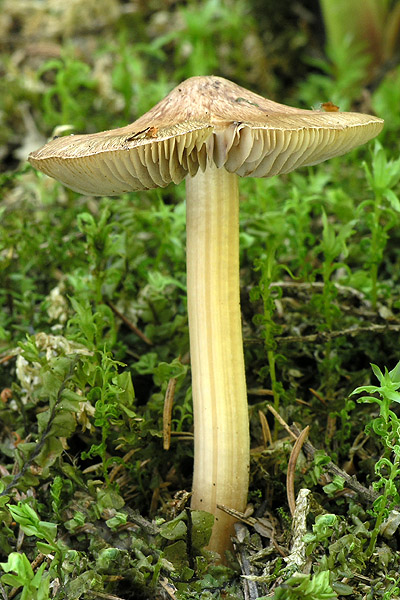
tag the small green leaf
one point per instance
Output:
(202, 523)
(176, 553)
(174, 529)
(20, 564)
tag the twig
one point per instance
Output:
(7, 357)
(129, 324)
(318, 395)
(365, 494)
(281, 421)
(260, 392)
(261, 525)
(147, 526)
(103, 595)
(13, 592)
(115, 470)
(183, 435)
(329, 335)
(294, 455)
(266, 432)
(318, 285)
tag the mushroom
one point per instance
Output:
(209, 131)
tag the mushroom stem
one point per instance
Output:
(221, 424)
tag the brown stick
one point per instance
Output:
(294, 455)
(129, 324)
(281, 421)
(266, 432)
(329, 335)
(366, 495)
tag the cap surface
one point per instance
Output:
(203, 120)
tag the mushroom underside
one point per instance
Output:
(239, 148)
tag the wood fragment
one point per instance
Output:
(169, 588)
(297, 558)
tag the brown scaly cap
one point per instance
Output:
(202, 120)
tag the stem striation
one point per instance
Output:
(221, 424)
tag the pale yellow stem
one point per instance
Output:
(221, 426)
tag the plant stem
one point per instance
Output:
(221, 426)
(269, 307)
(376, 252)
(383, 505)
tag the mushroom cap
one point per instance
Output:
(203, 120)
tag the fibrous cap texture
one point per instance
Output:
(202, 121)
